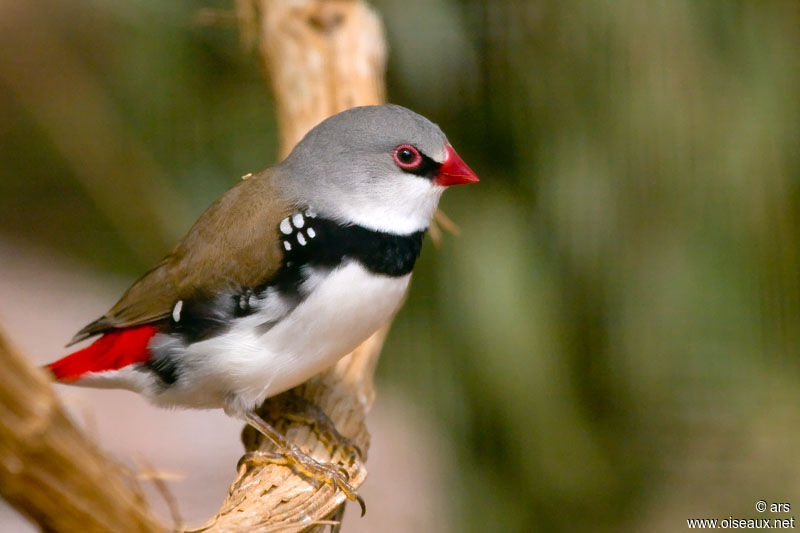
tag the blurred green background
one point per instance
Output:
(611, 343)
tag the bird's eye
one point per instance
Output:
(407, 157)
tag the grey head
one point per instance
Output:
(374, 166)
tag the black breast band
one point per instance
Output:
(310, 240)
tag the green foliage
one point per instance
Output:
(620, 316)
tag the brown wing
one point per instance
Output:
(234, 243)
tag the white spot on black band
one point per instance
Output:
(176, 311)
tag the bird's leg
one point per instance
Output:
(290, 455)
(298, 409)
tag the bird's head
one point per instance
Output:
(382, 167)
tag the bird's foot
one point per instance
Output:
(298, 409)
(316, 472)
(287, 454)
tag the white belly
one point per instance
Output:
(239, 369)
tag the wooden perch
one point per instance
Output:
(49, 471)
(321, 57)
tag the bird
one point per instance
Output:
(285, 273)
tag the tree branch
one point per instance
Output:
(49, 471)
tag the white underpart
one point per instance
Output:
(239, 369)
(127, 378)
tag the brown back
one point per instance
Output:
(234, 243)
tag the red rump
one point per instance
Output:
(112, 351)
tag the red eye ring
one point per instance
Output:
(407, 157)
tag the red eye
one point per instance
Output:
(407, 157)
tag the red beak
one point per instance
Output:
(454, 171)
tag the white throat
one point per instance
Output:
(406, 208)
